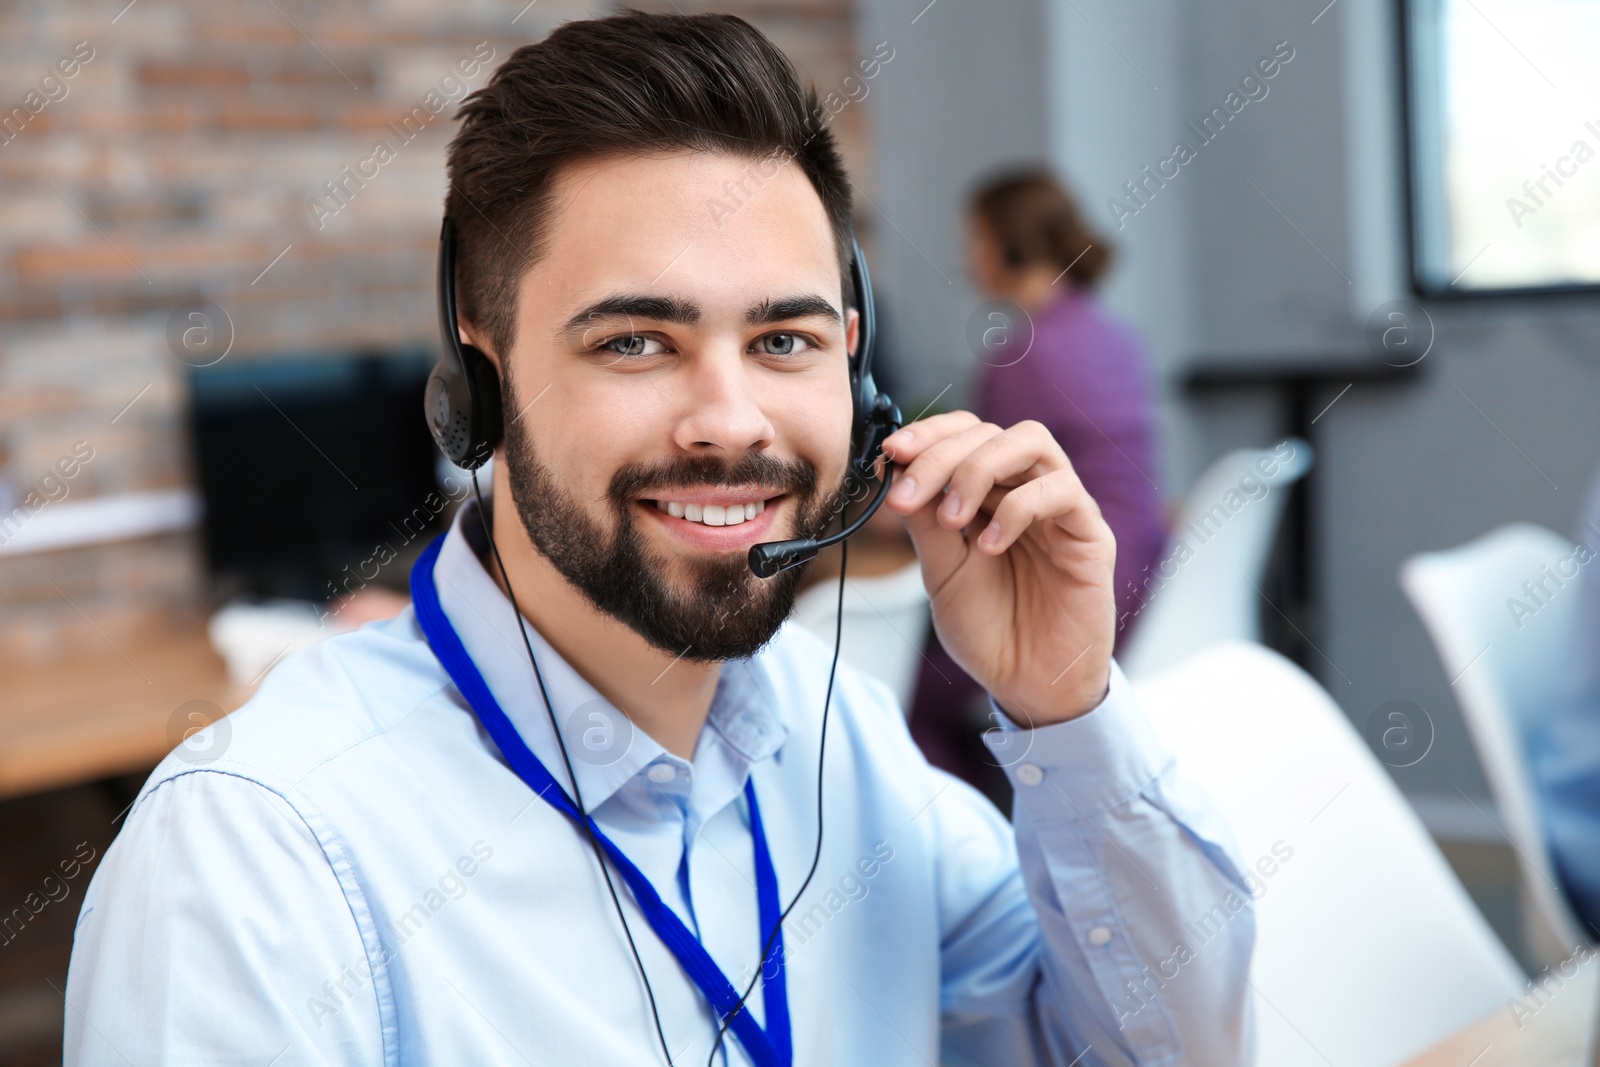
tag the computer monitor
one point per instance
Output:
(308, 464)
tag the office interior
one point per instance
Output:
(1387, 252)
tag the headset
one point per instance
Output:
(463, 396)
(463, 407)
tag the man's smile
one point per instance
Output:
(717, 517)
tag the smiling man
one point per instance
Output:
(381, 858)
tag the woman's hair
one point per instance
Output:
(1034, 219)
(631, 83)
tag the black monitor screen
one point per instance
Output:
(307, 464)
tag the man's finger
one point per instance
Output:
(1057, 497)
(910, 441)
(1005, 458)
(926, 476)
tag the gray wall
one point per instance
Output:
(965, 90)
(1283, 270)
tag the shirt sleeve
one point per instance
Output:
(216, 931)
(1116, 930)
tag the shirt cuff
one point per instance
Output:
(1084, 766)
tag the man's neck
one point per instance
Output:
(666, 697)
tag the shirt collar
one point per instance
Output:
(607, 750)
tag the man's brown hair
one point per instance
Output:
(631, 83)
(1034, 218)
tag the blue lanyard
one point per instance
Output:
(771, 1047)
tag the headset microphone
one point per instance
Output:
(770, 557)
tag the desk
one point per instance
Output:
(91, 717)
(1561, 1033)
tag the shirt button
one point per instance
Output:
(1030, 774)
(1099, 936)
(661, 773)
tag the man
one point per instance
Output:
(653, 229)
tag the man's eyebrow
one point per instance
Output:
(635, 306)
(794, 307)
(685, 313)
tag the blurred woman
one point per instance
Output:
(1084, 376)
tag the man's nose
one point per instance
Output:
(718, 407)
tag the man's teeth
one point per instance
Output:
(713, 514)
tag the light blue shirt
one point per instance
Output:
(345, 871)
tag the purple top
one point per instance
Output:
(1085, 379)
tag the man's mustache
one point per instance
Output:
(796, 477)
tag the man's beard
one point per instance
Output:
(726, 611)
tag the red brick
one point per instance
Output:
(191, 75)
(194, 138)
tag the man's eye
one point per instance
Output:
(783, 344)
(630, 345)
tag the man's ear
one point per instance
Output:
(852, 331)
(471, 336)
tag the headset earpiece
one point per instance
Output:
(462, 402)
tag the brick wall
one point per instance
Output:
(171, 158)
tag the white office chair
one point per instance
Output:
(1227, 524)
(1505, 672)
(885, 624)
(1368, 949)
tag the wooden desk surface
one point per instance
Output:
(1560, 1032)
(85, 718)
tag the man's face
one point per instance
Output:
(678, 391)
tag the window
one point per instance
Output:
(1504, 119)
